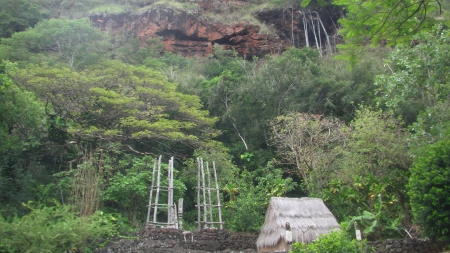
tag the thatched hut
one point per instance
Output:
(307, 218)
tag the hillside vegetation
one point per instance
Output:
(84, 114)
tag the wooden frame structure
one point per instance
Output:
(206, 203)
(158, 188)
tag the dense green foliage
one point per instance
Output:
(368, 182)
(377, 146)
(22, 119)
(245, 210)
(418, 81)
(16, 16)
(128, 188)
(428, 189)
(84, 114)
(53, 229)
(333, 242)
(74, 42)
(118, 102)
(393, 21)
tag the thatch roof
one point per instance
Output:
(308, 217)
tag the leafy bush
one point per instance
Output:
(377, 204)
(53, 229)
(334, 242)
(128, 189)
(246, 208)
(429, 189)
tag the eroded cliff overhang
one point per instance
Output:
(186, 34)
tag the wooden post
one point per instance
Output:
(151, 194)
(288, 236)
(357, 232)
(218, 196)
(209, 196)
(198, 195)
(180, 213)
(175, 216)
(157, 190)
(205, 217)
(170, 218)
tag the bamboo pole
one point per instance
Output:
(151, 195)
(175, 215)
(170, 218)
(205, 217)
(218, 196)
(198, 195)
(180, 214)
(209, 194)
(157, 190)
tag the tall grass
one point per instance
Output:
(110, 9)
(178, 6)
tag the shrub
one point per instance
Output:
(335, 242)
(53, 229)
(429, 189)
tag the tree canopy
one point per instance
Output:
(394, 22)
(17, 15)
(119, 102)
(74, 42)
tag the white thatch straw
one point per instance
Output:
(308, 218)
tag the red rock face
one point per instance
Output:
(184, 34)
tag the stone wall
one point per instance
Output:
(222, 241)
(410, 245)
(174, 240)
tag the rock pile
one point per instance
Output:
(410, 245)
(173, 240)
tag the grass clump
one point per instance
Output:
(178, 6)
(108, 9)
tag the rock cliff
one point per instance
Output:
(187, 34)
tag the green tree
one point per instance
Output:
(373, 162)
(21, 115)
(417, 74)
(307, 143)
(377, 145)
(393, 21)
(22, 134)
(417, 85)
(16, 16)
(76, 43)
(247, 95)
(121, 103)
(429, 189)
